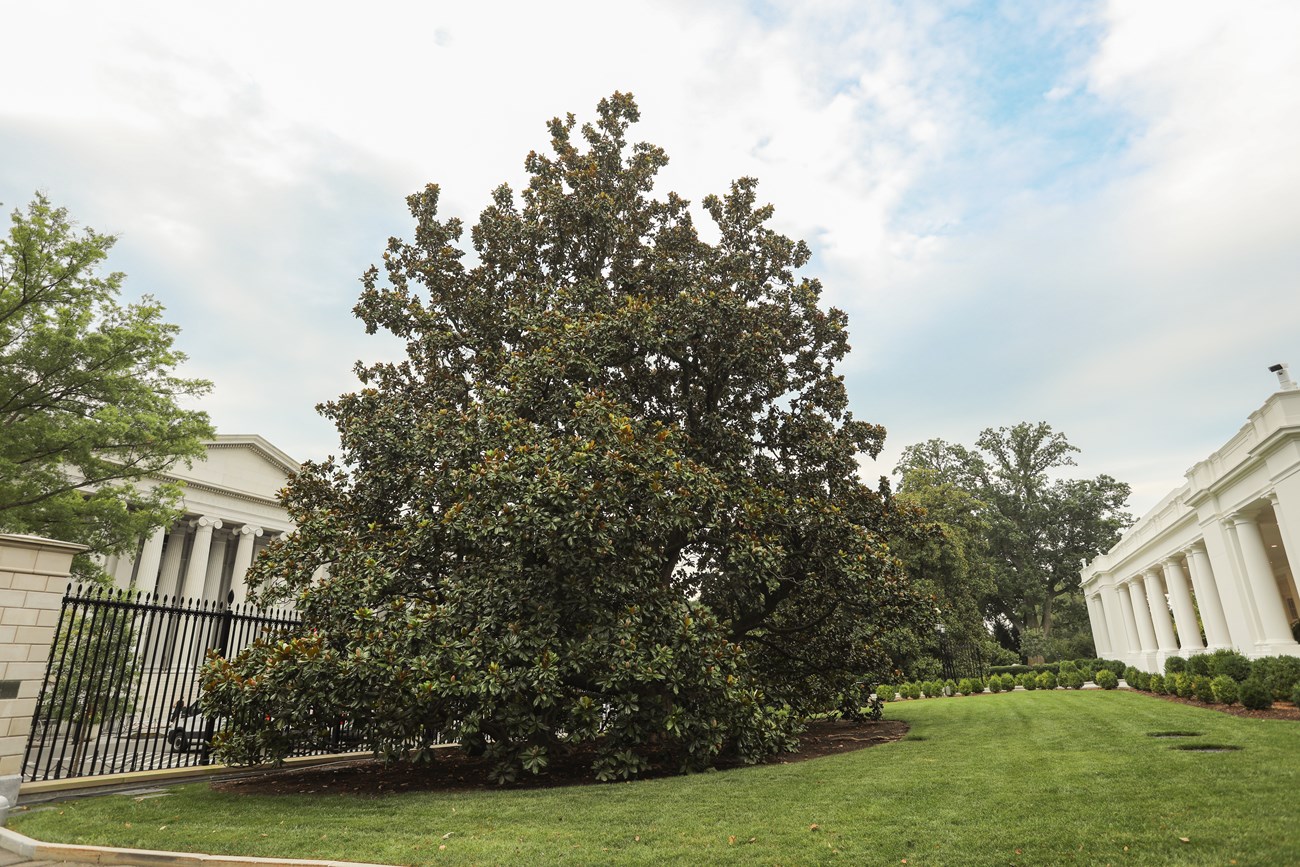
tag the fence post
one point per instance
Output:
(33, 575)
(222, 648)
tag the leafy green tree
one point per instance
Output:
(1039, 527)
(89, 401)
(951, 557)
(609, 497)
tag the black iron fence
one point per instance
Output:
(122, 683)
(962, 659)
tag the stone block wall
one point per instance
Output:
(33, 577)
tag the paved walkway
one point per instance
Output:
(9, 859)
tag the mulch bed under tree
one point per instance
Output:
(452, 770)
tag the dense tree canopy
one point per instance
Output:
(608, 497)
(89, 399)
(1039, 529)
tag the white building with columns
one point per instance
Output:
(231, 512)
(1211, 565)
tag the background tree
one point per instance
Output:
(609, 496)
(950, 558)
(1039, 528)
(89, 403)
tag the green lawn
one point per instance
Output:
(1022, 778)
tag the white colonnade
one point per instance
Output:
(1213, 565)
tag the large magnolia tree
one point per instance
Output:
(609, 497)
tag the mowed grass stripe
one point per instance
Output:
(1021, 778)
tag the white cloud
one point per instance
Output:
(1101, 234)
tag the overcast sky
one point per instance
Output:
(1081, 213)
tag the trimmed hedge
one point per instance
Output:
(1225, 689)
(1256, 695)
(1106, 679)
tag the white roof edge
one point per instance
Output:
(260, 444)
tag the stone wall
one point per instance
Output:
(33, 577)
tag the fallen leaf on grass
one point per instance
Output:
(1018, 852)
(1185, 839)
(443, 846)
(814, 827)
(637, 838)
(447, 836)
(127, 824)
(731, 841)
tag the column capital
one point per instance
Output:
(249, 530)
(1169, 562)
(206, 521)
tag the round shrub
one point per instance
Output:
(1203, 688)
(965, 686)
(1199, 664)
(1131, 676)
(1046, 680)
(1175, 664)
(1008, 683)
(1106, 679)
(1073, 679)
(1158, 684)
(885, 692)
(1115, 665)
(1029, 681)
(1256, 695)
(1065, 666)
(1141, 680)
(1229, 663)
(1295, 695)
(1279, 673)
(995, 684)
(949, 687)
(934, 689)
(1225, 689)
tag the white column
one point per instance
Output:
(1115, 621)
(1207, 598)
(146, 570)
(1166, 642)
(197, 569)
(1100, 633)
(1189, 632)
(216, 562)
(169, 572)
(1132, 638)
(1275, 629)
(1142, 616)
(243, 559)
(1283, 530)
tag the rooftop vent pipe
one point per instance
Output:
(1283, 376)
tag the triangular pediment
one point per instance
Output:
(244, 463)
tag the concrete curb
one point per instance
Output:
(20, 844)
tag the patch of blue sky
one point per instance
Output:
(1032, 125)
